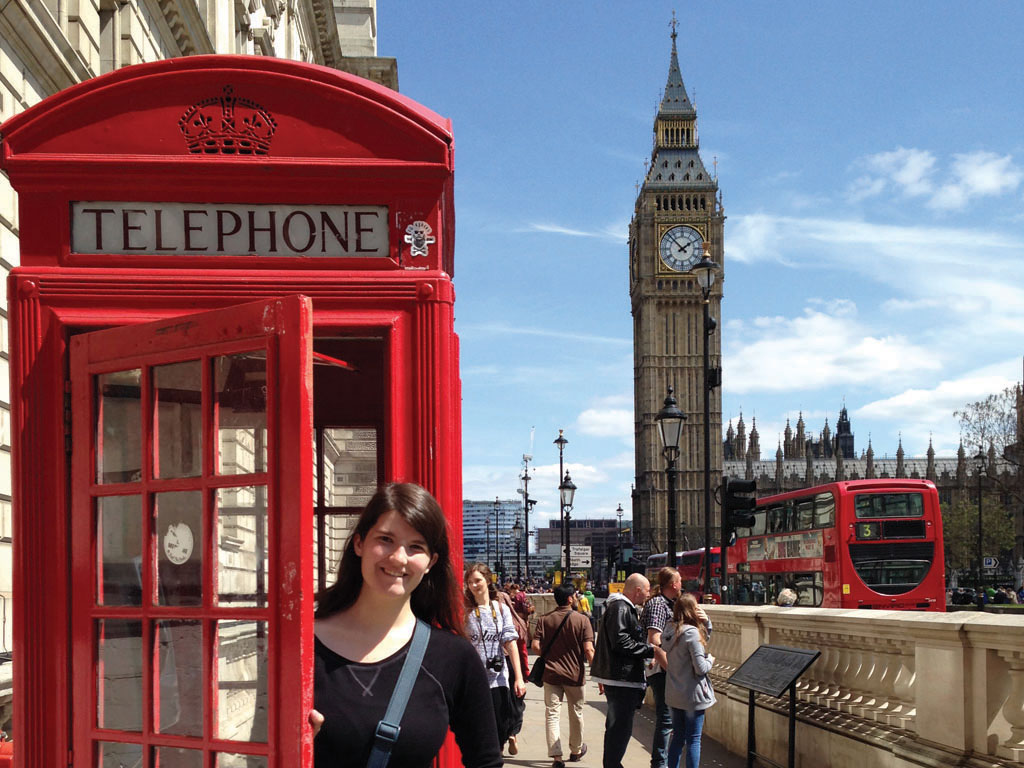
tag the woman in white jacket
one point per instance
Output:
(688, 690)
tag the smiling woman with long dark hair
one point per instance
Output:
(396, 570)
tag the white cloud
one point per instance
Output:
(909, 170)
(615, 233)
(927, 413)
(821, 348)
(977, 174)
(912, 172)
(606, 422)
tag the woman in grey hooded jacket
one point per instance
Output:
(688, 690)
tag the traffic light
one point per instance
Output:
(737, 510)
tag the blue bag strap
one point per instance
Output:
(390, 726)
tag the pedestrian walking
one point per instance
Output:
(657, 612)
(565, 639)
(490, 629)
(515, 724)
(618, 664)
(395, 584)
(688, 689)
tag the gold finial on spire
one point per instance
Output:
(673, 24)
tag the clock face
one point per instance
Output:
(681, 248)
(178, 543)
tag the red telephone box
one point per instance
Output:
(232, 320)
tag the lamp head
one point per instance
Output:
(567, 490)
(670, 422)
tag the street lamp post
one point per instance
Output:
(517, 532)
(670, 425)
(979, 467)
(618, 513)
(705, 271)
(527, 503)
(561, 442)
(566, 493)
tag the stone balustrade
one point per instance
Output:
(891, 688)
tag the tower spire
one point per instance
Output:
(675, 101)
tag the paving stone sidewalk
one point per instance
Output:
(533, 750)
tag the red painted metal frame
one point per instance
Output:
(340, 141)
(283, 330)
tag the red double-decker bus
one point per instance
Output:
(690, 565)
(855, 544)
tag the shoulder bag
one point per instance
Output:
(537, 673)
(390, 725)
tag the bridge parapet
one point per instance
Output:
(926, 688)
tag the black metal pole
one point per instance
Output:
(707, 459)
(487, 541)
(672, 561)
(977, 584)
(526, 512)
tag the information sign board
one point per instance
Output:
(771, 669)
(579, 556)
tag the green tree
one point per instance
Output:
(960, 531)
(993, 422)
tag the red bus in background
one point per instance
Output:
(855, 544)
(690, 565)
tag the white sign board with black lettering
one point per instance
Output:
(212, 229)
(579, 556)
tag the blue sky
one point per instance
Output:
(871, 162)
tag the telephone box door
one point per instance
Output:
(192, 619)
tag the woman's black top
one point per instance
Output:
(450, 691)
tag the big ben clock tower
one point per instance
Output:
(677, 216)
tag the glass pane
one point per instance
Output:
(119, 674)
(179, 516)
(350, 466)
(242, 680)
(119, 427)
(241, 385)
(119, 550)
(824, 510)
(178, 389)
(226, 760)
(242, 546)
(179, 661)
(114, 755)
(337, 529)
(176, 757)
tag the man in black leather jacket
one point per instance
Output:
(619, 664)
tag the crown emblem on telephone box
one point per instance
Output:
(227, 125)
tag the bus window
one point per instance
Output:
(809, 588)
(824, 510)
(776, 518)
(804, 514)
(889, 504)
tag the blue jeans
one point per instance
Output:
(618, 723)
(662, 721)
(687, 727)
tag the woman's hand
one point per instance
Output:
(316, 720)
(711, 659)
(519, 688)
(702, 615)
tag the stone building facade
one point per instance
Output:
(677, 213)
(47, 46)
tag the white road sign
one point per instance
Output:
(579, 556)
